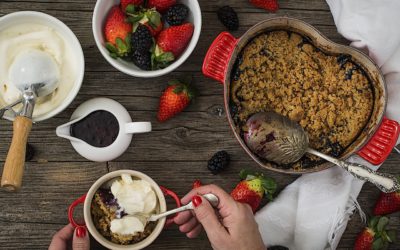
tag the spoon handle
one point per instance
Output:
(156, 217)
(387, 183)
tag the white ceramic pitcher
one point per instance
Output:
(126, 129)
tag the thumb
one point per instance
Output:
(205, 214)
(81, 239)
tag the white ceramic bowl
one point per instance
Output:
(99, 15)
(105, 180)
(67, 35)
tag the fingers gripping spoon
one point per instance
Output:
(276, 138)
(35, 73)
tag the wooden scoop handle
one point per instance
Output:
(14, 166)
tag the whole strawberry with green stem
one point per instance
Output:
(170, 44)
(252, 189)
(375, 235)
(175, 99)
(270, 5)
(117, 33)
(388, 203)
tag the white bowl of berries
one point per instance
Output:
(146, 38)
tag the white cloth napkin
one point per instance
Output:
(312, 212)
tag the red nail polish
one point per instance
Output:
(80, 232)
(196, 200)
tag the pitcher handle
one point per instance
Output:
(219, 54)
(137, 127)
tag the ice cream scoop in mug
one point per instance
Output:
(123, 139)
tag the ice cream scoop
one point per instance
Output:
(278, 139)
(35, 73)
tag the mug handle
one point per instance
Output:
(71, 209)
(168, 192)
(137, 127)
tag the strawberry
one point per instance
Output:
(252, 189)
(365, 239)
(150, 18)
(375, 236)
(174, 99)
(125, 3)
(161, 5)
(196, 184)
(174, 40)
(270, 5)
(117, 33)
(388, 203)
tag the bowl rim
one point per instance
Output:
(142, 73)
(87, 210)
(76, 47)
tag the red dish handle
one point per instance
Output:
(168, 192)
(216, 62)
(71, 211)
(382, 142)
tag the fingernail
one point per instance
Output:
(80, 232)
(196, 200)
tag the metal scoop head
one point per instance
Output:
(34, 69)
(275, 138)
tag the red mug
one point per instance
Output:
(86, 199)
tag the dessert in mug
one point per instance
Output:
(329, 95)
(119, 211)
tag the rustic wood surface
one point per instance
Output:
(174, 154)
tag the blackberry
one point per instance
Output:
(177, 14)
(218, 162)
(228, 17)
(141, 39)
(30, 152)
(142, 59)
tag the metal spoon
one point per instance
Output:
(213, 199)
(35, 73)
(276, 138)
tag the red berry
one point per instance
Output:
(387, 203)
(270, 5)
(175, 39)
(161, 5)
(125, 3)
(364, 240)
(115, 25)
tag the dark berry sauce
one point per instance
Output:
(99, 129)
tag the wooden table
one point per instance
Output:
(174, 154)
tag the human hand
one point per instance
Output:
(62, 239)
(232, 227)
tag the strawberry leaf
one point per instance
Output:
(383, 221)
(373, 222)
(269, 196)
(111, 48)
(391, 236)
(244, 173)
(377, 244)
(154, 19)
(178, 89)
(174, 82)
(130, 9)
(134, 18)
(269, 185)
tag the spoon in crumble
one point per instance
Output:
(213, 199)
(276, 138)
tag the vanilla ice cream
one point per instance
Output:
(135, 197)
(28, 36)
